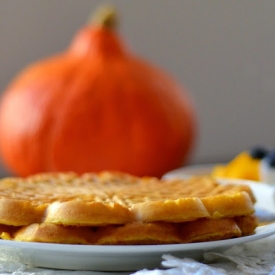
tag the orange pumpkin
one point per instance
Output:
(95, 107)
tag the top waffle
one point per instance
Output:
(117, 198)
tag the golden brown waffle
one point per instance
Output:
(247, 223)
(116, 198)
(133, 233)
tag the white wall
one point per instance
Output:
(223, 51)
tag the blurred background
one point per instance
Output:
(223, 52)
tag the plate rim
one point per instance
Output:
(261, 232)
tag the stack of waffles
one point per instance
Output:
(112, 208)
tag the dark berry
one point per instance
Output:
(270, 158)
(258, 152)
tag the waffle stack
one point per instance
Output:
(111, 208)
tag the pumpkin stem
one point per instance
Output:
(105, 17)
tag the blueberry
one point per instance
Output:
(270, 158)
(258, 152)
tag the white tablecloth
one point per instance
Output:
(257, 257)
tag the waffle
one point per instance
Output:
(111, 198)
(134, 233)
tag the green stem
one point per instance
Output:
(106, 17)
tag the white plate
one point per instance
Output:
(127, 258)
(113, 258)
(201, 169)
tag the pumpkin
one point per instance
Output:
(95, 106)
